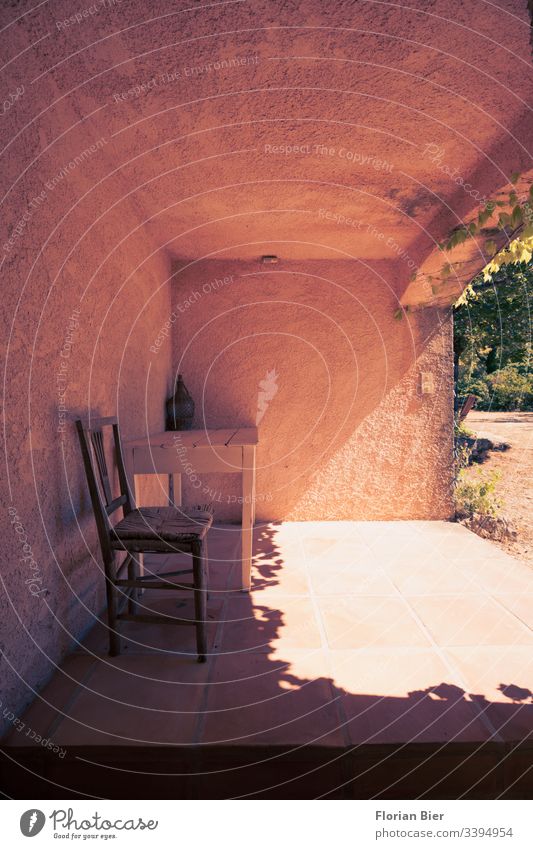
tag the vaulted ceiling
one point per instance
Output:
(297, 127)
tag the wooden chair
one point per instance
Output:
(161, 530)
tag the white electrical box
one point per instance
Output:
(427, 383)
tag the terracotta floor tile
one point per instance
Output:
(497, 577)
(348, 579)
(414, 547)
(474, 549)
(286, 621)
(223, 567)
(135, 700)
(272, 675)
(343, 551)
(282, 581)
(520, 605)
(401, 695)
(390, 551)
(273, 547)
(469, 621)
(276, 572)
(501, 680)
(430, 576)
(252, 699)
(53, 700)
(236, 667)
(141, 638)
(354, 622)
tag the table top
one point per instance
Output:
(236, 436)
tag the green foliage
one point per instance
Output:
(515, 220)
(475, 492)
(461, 430)
(504, 389)
(400, 312)
(511, 390)
(462, 454)
(481, 389)
(462, 448)
(493, 340)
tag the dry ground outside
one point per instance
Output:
(515, 487)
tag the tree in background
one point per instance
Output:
(493, 339)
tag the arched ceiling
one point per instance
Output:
(306, 129)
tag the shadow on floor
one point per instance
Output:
(321, 682)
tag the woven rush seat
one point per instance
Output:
(161, 524)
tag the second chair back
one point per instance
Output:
(91, 435)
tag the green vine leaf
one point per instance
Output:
(504, 220)
(467, 293)
(484, 216)
(516, 216)
(519, 219)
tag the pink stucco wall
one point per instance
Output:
(76, 340)
(346, 433)
(136, 133)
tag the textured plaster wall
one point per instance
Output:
(80, 311)
(347, 434)
(115, 153)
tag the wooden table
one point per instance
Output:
(193, 452)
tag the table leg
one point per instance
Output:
(174, 490)
(248, 509)
(177, 490)
(133, 486)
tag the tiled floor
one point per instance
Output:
(354, 635)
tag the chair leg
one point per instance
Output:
(133, 594)
(114, 637)
(206, 569)
(200, 601)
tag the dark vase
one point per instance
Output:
(180, 408)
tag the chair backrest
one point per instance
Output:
(91, 435)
